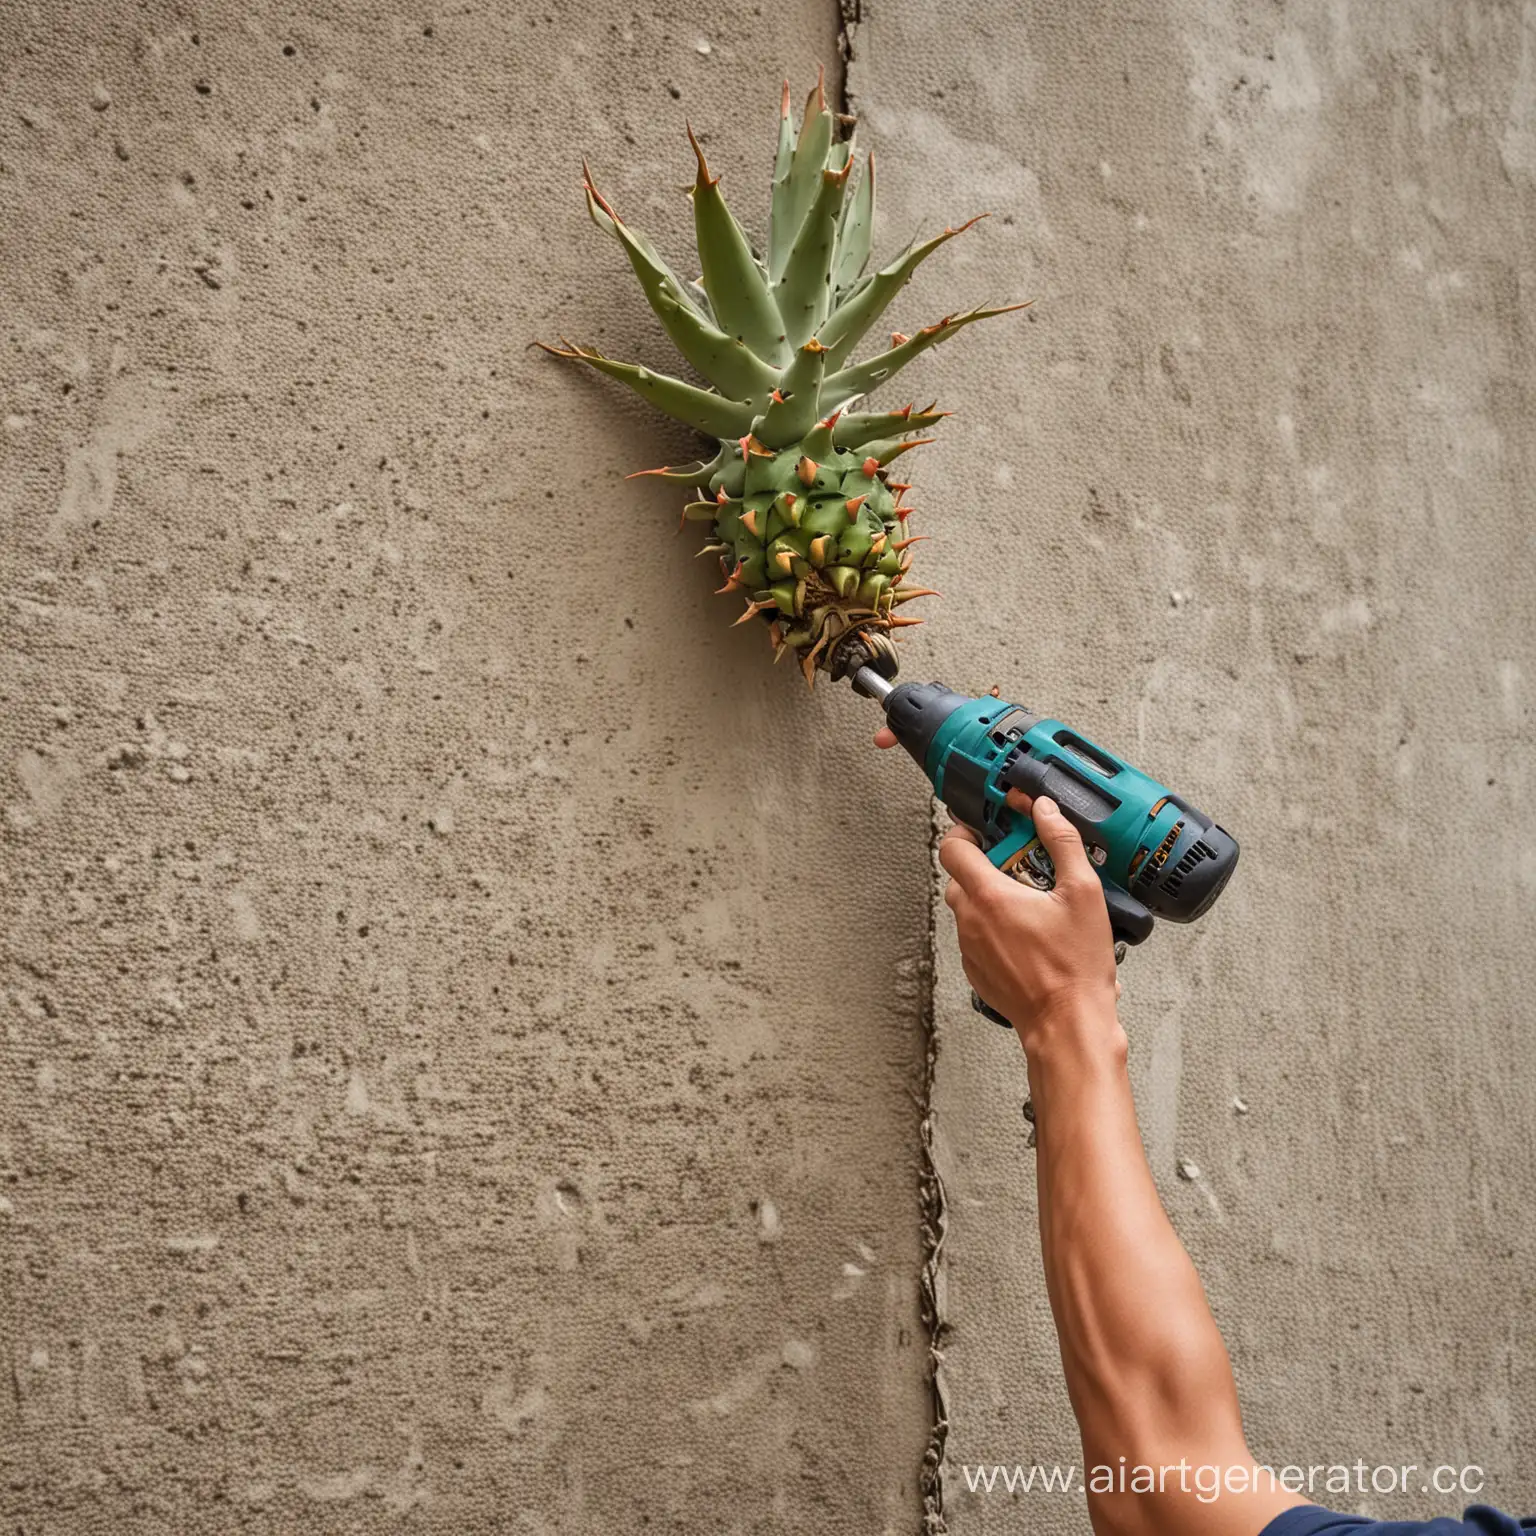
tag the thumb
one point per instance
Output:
(1062, 841)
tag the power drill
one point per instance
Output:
(1155, 854)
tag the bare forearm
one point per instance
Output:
(1146, 1368)
(1137, 1371)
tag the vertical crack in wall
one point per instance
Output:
(934, 1215)
(849, 14)
(933, 1212)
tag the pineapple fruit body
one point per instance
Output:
(800, 499)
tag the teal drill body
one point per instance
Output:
(1131, 815)
(1155, 854)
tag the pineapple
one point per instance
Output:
(808, 522)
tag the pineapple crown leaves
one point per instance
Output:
(776, 339)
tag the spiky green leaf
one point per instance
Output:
(856, 428)
(794, 192)
(699, 408)
(647, 262)
(855, 230)
(789, 418)
(889, 448)
(847, 325)
(865, 376)
(786, 150)
(803, 292)
(728, 364)
(737, 289)
(684, 474)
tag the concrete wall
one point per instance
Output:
(1257, 475)
(459, 1003)
(463, 1010)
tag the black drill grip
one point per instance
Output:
(988, 1011)
(1129, 921)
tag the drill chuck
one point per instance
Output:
(872, 685)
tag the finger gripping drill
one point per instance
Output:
(1154, 853)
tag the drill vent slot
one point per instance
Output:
(1086, 753)
(1198, 852)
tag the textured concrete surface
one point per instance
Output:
(459, 1009)
(1251, 495)
(462, 1008)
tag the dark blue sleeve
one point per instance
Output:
(1309, 1520)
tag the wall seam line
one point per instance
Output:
(933, 1208)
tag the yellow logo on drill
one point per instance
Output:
(1164, 848)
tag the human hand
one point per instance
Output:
(1045, 960)
(1037, 957)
